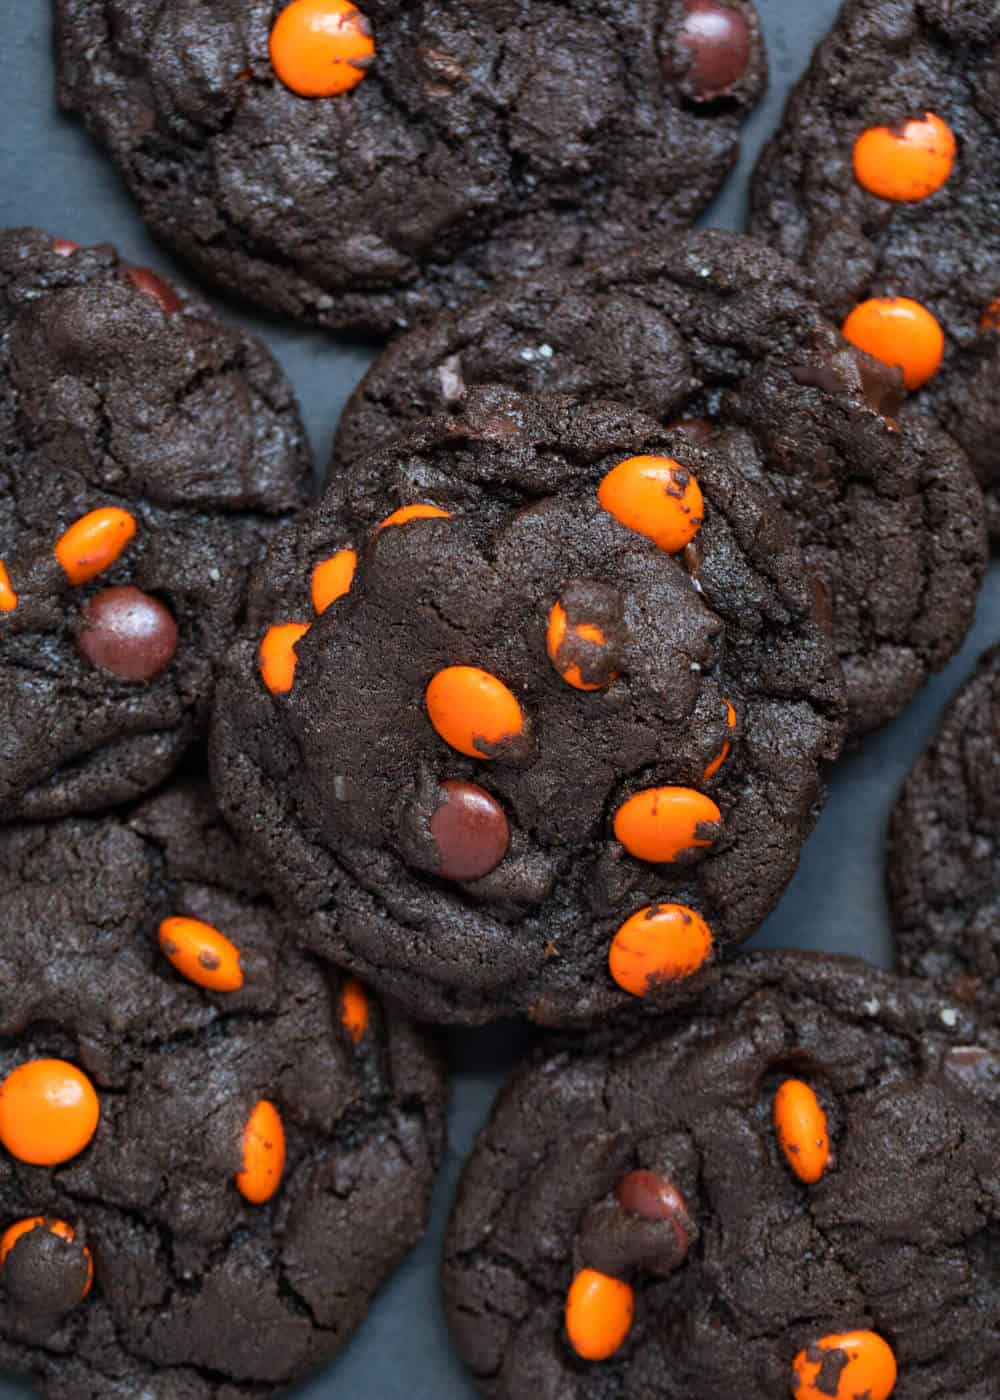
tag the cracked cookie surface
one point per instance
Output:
(147, 452)
(716, 328)
(736, 1265)
(198, 1294)
(649, 729)
(483, 140)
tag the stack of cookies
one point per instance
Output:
(627, 534)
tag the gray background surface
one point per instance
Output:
(52, 176)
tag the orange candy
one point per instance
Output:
(659, 824)
(899, 332)
(586, 632)
(8, 598)
(417, 512)
(990, 320)
(470, 708)
(58, 1227)
(320, 48)
(277, 655)
(907, 164)
(263, 1154)
(870, 1370)
(48, 1112)
(354, 1013)
(657, 497)
(599, 1313)
(800, 1123)
(94, 542)
(332, 578)
(726, 749)
(661, 944)
(202, 954)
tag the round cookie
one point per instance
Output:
(635, 1220)
(880, 182)
(147, 452)
(533, 759)
(473, 141)
(225, 1263)
(944, 856)
(713, 325)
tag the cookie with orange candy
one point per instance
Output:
(717, 330)
(213, 1150)
(792, 1192)
(533, 713)
(148, 451)
(881, 183)
(944, 851)
(364, 164)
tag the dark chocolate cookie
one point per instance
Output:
(796, 1191)
(882, 183)
(146, 451)
(552, 746)
(715, 325)
(479, 140)
(944, 860)
(243, 1148)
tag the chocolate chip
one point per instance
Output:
(147, 281)
(697, 429)
(470, 832)
(651, 1197)
(717, 37)
(128, 634)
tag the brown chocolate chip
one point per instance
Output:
(128, 634)
(717, 38)
(143, 279)
(470, 832)
(651, 1197)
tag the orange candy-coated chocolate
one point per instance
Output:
(332, 578)
(417, 512)
(599, 1313)
(470, 708)
(202, 954)
(354, 1012)
(661, 944)
(906, 164)
(990, 320)
(57, 1227)
(726, 749)
(657, 497)
(899, 332)
(8, 598)
(320, 48)
(800, 1123)
(870, 1370)
(658, 824)
(48, 1112)
(263, 1154)
(94, 542)
(277, 655)
(585, 632)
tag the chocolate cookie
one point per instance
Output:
(561, 733)
(881, 183)
(714, 326)
(146, 451)
(360, 166)
(796, 1191)
(243, 1143)
(944, 859)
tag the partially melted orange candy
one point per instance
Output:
(470, 708)
(263, 1154)
(661, 944)
(599, 1313)
(202, 954)
(800, 1123)
(865, 1367)
(94, 542)
(354, 1010)
(906, 164)
(277, 656)
(332, 578)
(416, 512)
(8, 598)
(57, 1227)
(320, 48)
(900, 333)
(659, 824)
(656, 497)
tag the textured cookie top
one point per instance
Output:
(799, 1180)
(453, 143)
(146, 450)
(243, 1167)
(881, 183)
(713, 325)
(944, 860)
(603, 635)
